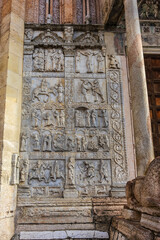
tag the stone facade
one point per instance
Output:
(67, 139)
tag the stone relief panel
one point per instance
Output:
(90, 91)
(93, 177)
(48, 60)
(90, 61)
(72, 138)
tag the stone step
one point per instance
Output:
(68, 234)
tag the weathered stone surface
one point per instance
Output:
(131, 230)
(145, 191)
(132, 215)
(64, 235)
(150, 222)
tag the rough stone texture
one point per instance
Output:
(145, 191)
(64, 235)
(141, 217)
(11, 55)
(139, 95)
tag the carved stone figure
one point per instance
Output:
(35, 116)
(41, 91)
(47, 142)
(78, 118)
(94, 118)
(150, 9)
(48, 119)
(88, 118)
(71, 171)
(86, 87)
(60, 142)
(101, 37)
(70, 144)
(28, 34)
(24, 141)
(114, 64)
(24, 171)
(68, 32)
(89, 171)
(49, 57)
(100, 63)
(103, 172)
(36, 141)
(62, 118)
(78, 144)
(105, 115)
(60, 90)
(145, 191)
(83, 144)
(38, 59)
(97, 91)
(59, 61)
(56, 115)
(92, 141)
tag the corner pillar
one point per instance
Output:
(139, 95)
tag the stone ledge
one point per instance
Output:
(47, 235)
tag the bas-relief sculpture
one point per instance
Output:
(71, 143)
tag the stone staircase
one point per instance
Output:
(85, 218)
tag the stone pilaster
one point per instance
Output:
(140, 105)
(11, 56)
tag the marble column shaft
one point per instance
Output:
(139, 95)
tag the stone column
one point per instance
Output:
(11, 61)
(139, 95)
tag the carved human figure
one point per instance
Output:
(101, 36)
(24, 138)
(97, 91)
(62, 118)
(60, 91)
(94, 118)
(47, 143)
(38, 59)
(49, 57)
(83, 144)
(78, 118)
(100, 63)
(35, 116)
(105, 115)
(103, 172)
(88, 118)
(42, 90)
(59, 142)
(155, 9)
(86, 87)
(59, 63)
(71, 171)
(102, 141)
(92, 141)
(48, 119)
(36, 141)
(56, 115)
(70, 144)
(89, 171)
(68, 32)
(24, 171)
(114, 64)
(78, 144)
